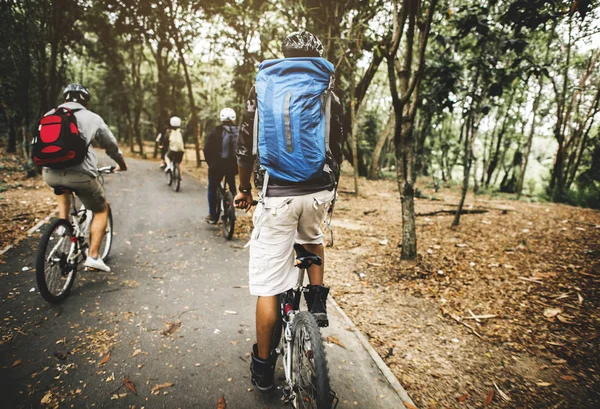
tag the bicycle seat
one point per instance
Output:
(59, 190)
(305, 258)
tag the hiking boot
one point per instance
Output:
(96, 264)
(211, 219)
(316, 300)
(263, 371)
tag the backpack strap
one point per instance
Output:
(328, 93)
(255, 131)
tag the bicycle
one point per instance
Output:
(306, 374)
(226, 208)
(173, 173)
(65, 245)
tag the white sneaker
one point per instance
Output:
(96, 264)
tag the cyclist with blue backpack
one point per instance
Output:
(291, 136)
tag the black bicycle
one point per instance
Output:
(301, 346)
(173, 174)
(226, 208)
(66, 244)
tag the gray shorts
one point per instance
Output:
(279, 222)
(87, 188)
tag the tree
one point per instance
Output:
(404, 78)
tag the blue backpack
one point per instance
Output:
(291, 123)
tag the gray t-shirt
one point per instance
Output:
(92, 128)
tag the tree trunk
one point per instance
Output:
(354, 144)
(494, 157)
(385, 135)
(466, 169)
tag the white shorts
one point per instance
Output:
(280, 222)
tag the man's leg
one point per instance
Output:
(64, 204)
(266, 319)
(214, 178)
(231, 183)
(97, 230)
(315, 273)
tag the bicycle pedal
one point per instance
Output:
(334, 399)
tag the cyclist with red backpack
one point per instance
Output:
(292, 136)
(63, 149)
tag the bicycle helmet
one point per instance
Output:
(77, 93)
(227, 114)
(175, 122)
(302, 44)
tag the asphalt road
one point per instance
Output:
(169, 266)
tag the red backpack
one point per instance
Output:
(59, 144)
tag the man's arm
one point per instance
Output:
(107, 140)
(337, 135)
(245, 158)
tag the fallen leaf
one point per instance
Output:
(160, 386)
(564, 320)
(334, 340)
(559, 361)
(170, 328)
(502, 394)
(17, 362)
(136, 352)
(552, 312)
(105, 359)
(409, 405)
(46, 399)
(543, 384)
(463, 397)
(60, 355)
(568, 378)
(130, 385)
(489, 398)
(221, 403)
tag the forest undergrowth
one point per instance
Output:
(500, 311)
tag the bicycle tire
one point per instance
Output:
(219, 203)
(228, 218)
(176, 177)
(311, 390)
(107, 240)
(46, 291)
(169, 176)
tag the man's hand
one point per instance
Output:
(243, 201)
(118, 169)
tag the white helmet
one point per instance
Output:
(175, 121)
(227, 114)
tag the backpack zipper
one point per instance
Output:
(286, 122)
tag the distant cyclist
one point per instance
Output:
(162, 146)
(219, 152)
(173, 142)
(82, 178)
(295, 149)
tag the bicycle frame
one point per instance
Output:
(288, 312)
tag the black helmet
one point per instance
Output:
(302, 44)
(77, 93)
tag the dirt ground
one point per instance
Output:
(501, 311)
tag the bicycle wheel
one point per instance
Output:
(310, 377)
(169, 176)
(219, 202)
(176, 177)
(228, 217)
(54, 273)
(107, 240)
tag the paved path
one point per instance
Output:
(168, 266)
